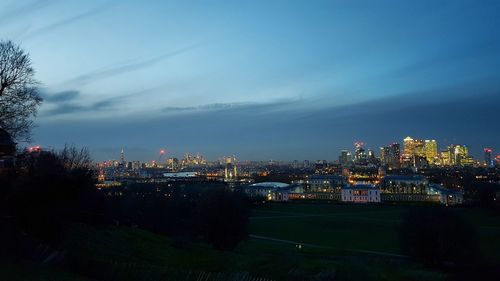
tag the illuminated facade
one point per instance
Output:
(345, 157)
(390, 155)
(230, 171)
(361, 194)
(414, 152)
(460, 153)
(431, 151)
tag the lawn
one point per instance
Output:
(350, 241)
(357, 227)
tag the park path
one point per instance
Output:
(386, 254)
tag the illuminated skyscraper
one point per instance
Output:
(460, 152)
(390, 155)
(394, 154)
(414, 152)
(431, 151)
(487, 157)
(345, 157)
(360, 153)
(409, 147)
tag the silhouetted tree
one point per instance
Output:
(52, 190)
(221, 217)
(437, 236)
(19, 97)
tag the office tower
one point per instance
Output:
(431, 152)
(487, 157)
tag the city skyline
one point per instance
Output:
(431, 148)
(303, 81)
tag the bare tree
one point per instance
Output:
(19, 96)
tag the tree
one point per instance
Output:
(437, 236)
(222, 217)
(19, 96)
(53, 189)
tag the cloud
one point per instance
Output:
(232, 106)
(23, 10)
(57, 24)
(72, 108)
(122, 68)
(258, 133)
(60, 97)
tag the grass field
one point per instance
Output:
(357, 227)
(355, 242)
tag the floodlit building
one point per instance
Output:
(325, 183)
(447, 196)
(360, 194)
(404, 184)
(272, 191)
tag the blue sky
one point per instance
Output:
(260, 79)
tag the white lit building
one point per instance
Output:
(360, 194)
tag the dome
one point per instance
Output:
(270, 184)
(5, 138)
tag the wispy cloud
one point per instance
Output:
(232, 106)
(72, 108)
(60, 97)
(130, 66)
(17, 11)
(66, 21)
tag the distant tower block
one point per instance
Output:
(122, 157)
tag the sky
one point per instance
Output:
(261, 80)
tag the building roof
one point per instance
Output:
(360, 186)
(326, 177)
(5, 138)
(270, 184)
(405, 177)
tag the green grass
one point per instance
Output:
(124, 253)
(357, 227)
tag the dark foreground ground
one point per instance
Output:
(287, 242)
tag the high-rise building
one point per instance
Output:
(394, 154)
(414, 152)
(487, 157)
(122, 157)
(359, 153)
(390, 155)
(345, 157)
(446, 157)
(431, 152)
(460, 152)
(409, 147)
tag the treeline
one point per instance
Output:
(49, 191)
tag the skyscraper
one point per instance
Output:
(431, 151)
(460, 152)
(345, 157)
(487, 157)
(390, 155)
(409, 147)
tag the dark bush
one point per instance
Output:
(221, 217)
(51, 190)
(438, 236)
